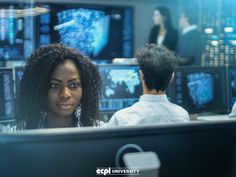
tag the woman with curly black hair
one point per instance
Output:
(59, 88)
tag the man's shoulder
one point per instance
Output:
(127, 110)
(179, 108)
(126, 114)
(194, 32)
(119, 118)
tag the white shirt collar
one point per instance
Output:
(151, 97)
(188, 29)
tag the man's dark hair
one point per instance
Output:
(191, 15)
(32, 97)
(157, 65)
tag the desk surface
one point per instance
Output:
(214, 117)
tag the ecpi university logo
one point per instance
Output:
(106, 171)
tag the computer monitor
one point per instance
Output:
(232, 85)
(6, 94)
(201, 89)
(16, 32)
(102, 32)
(121, 86)
(186, 150)
(19, 72)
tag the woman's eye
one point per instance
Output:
(54, 86)
(74, 85)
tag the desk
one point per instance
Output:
(214, 117)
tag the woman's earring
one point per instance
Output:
(78, 112)
(43, 114)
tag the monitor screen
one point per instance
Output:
(101, 32)
(16, 39)
(121, 86)
(6, 94)
(232, 86)
(19, 71)
(186, 150)
(201, 89)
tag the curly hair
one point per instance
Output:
(31, 98)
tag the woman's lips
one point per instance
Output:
(65, 106)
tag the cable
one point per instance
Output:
(123, 149)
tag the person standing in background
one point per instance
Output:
(190, 43)
(163, 33)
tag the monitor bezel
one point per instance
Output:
(222, 110)
(155, 138)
